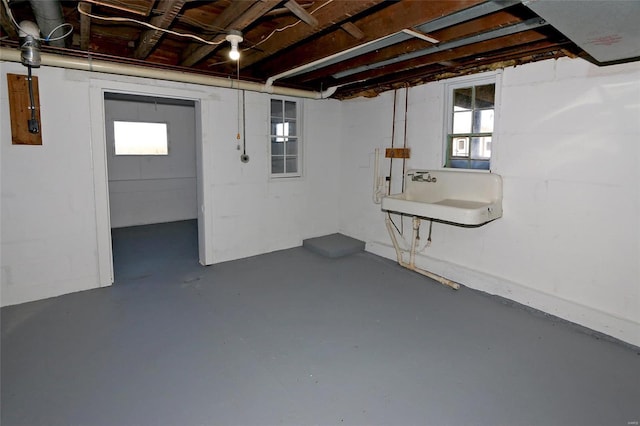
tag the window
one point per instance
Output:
(140, 138)
(470, 125)
(285, 138)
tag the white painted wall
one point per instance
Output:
(153, 189)
(49, 239)
(567, 148)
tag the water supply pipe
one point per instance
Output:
(411, 265)
(102, 66)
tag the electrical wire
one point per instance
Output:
(32, 124)
(48, 37)
(67, 34)
(244, 128)
(32, 103)
(286, 27)
(148, 25)
(238, 90)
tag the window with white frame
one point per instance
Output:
(471, 107)
(285, 145)
(140, 138)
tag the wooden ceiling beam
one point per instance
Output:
(301, 13)
(168, 9)
(465, 29)
(236, 9)
(331, 15)
(393, 18)
(353, 30)
(85, 26)
(230, 22)
(6, 24)
(139, 7)
(517, 55)
(476, 50)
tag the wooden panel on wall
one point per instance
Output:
(397, 153)
(20, 112)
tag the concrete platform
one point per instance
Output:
(334, 245)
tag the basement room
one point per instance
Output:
(320, 212)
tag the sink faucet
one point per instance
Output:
(419, 177)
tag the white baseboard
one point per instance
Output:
(592, 318)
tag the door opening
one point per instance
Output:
(152, 184)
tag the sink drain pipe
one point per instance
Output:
(411, 265)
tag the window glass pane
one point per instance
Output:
(462, 99)
(274, 127)
(485, 96)
(277, 164)
(291, 128)
(462, 122)
(479, 165)
(280, 129)
(460, 147)
(139, 138)
(473, 118)
(292, 147)
(485, 121)
(285, 145)
(290, 109)
(481, 148)
(277, 147)
(292, 164)
(276, 108)
(459, 164)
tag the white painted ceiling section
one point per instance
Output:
(566, 146)
(609, 30)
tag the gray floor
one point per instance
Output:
(296, 338)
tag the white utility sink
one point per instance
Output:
(466, 198)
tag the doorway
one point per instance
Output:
(152, 179)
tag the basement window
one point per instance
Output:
(471, 106)
(140, 138)
(284, 138)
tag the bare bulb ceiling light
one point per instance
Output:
(234, 37)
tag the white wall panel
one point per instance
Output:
(50, 240)
(567, 149)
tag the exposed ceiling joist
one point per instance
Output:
(390, 20)
(138, 7)
(6, 24)
(301, 13)
(352, 47)
(85, 26)
(168, 9)
(327, 17)
(353, 30)
(230, 22)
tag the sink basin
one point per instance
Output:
(466, 198)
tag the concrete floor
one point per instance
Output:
(292, 337)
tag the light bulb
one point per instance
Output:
(234, 37)
(234, 53)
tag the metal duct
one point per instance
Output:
(48, 15)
